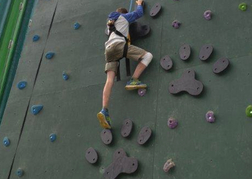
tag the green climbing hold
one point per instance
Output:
(243, 6)
(249, 111)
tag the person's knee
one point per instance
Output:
(146, 59)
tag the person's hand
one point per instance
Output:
(139, 2)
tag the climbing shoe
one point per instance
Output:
(104, 119)
(135, 84)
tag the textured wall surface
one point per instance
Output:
(200, 150)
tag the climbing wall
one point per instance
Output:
(198, 148)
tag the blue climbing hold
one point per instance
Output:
(36, 38)
(65, 76)
(49, 55)
(20, 172)
(21, 84)
(52, 137)
(6, 141)
(76, 26)
(35, 109)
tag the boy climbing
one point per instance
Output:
(117, 47)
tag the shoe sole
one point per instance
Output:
(134, 87)
(102, 120)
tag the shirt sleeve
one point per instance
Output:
(132, 16)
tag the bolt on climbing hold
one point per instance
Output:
(49, 55)
(249, 111)
(36, 38)
(21, 85)
(6, 141)
(210, 117)
(35, 109)
(76, 26)
(243, 6)
(65, 76)
(52, 137)
(20, 172)
(172, 123)
(142, 92)
(176, 24)
(168, 165)
(208, 15)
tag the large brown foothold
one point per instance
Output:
(186, 83)
(126, 128)
(106, 136)
(220, 65)
(205, 52)
(144, 135)
(166, 62)
(185, 52)
(91, 155)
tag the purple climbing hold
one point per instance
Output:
(210, 117)
(176, 24)
(208, 15)
(141, 92)
(172, 123)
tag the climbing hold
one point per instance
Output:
(220, 65)
(205, 52)
(126, 127)
(121, 164)
(6, 141)
(141, 92)
(168, 165)
(249, 111)
(137, 30)
(52, 137)
(208, 15)
(35, 109)
(210, 117)
(155, 10)
(20, 172)
(106, 136)
(65, 76)
(186, 83)
(166, 62)
(172, 123)
(243, 6)
(50, 55)
(176, 24)
(36, 38)
(91, 155)
(76, 26)
(185, 52)
(21, 85)
(144, 135)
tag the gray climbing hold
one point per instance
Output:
(220, 65)
(65, 76)
(6, 141)
(52, 137)
(91, 155)
(20, 172)
(205, 52)
(155, 10)
(210, 117)
(186, 83)
(106, 136)
(166, 62)
(137, 30)
(168, 165)
(50, 55)
(144, 135)
(35, 109)
(21, 85)
(126, 127)
(185, 52)
(121, 164)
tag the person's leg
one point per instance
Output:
(108, 88)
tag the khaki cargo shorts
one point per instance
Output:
(115, 51)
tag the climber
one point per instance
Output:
(116, 48)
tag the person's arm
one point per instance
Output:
(132, 16)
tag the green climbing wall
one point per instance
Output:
(200, 150)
